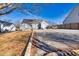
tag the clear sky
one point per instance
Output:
(55, 12)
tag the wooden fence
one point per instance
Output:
(68, 26)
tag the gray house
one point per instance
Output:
(6, 26)
(73, 16)
(33, 24)
(72, 19)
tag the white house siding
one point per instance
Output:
(5, 27)
(24, 27)
(44, 24)
(35, 26)
(13, 28)
(9, 28)
(2, 28)
(73, 17)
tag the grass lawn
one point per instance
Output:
(12, 44)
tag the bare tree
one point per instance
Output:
(10, 7)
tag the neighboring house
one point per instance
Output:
(72, 19)
(33, 24)
(73, 16)
(44, 24)
(6, 26)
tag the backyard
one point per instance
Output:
(44, 42)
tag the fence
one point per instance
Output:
(68, 26)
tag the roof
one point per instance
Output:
(31, 21)
(5, 23)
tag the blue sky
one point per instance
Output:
(55, 12)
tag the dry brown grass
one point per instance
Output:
(12, 44)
